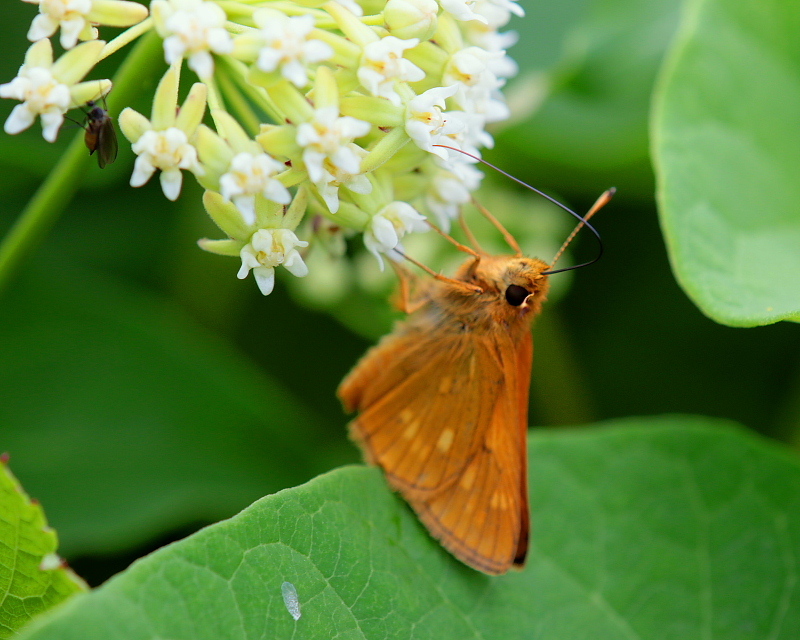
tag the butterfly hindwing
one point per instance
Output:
(445, 424)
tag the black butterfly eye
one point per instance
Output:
(515, 295)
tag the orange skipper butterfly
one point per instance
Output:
(443, 400)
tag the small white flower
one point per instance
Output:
(327, 136)
(411, 18)
(471, 67)
(267, 249)
(287, 46)
(487, 38)
(49, 89)
(168, 150)
(391, 223)
(478, 87)
(471, 136)
(426, 122)
(497, 13)
(334, 177)
(461, 10)
(449, 190)
(251, 174)
(70, 15)
(382, 64)
(43, 95)
(192, 29)
(77, 18)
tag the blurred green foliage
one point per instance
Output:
(146, 390)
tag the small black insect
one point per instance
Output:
(100, 134)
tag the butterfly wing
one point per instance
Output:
(445, 416)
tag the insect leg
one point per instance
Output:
(508, 237)
(443, 278)
(454, 242)
(468, 232)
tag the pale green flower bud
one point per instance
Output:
(411, 18)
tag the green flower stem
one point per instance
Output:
(376, 20)
(237, 102)
(64, 180)
(214, 99)
(257, 95)
(126, 37)
(386, 147)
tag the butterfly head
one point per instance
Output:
(523, 284)
(514, 286)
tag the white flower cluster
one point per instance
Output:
(319, 111)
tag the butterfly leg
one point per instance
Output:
(468, 232)
(456, 243)
(403, 299)
(460, 284)
(508, 237)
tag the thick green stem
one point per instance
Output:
(57, 190)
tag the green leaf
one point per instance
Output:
(727, 154)
(129, 420)
(661, 528)
(32, 577)
(588, 126)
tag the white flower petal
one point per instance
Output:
(295, 72)
(142, 171)
(70, 30)
(171, 181)
(247, 207)
(202, 64)
(174, 49)
(51, 122)
(43, 26)
(20, 118)
(329, 191)
(265, 279)
(276, 192)
(294, 264)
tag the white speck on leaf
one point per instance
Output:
(290, 599)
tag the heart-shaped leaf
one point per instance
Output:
(667, 528)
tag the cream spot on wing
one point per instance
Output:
(445, 384)
(498, 500)
(445, 440)
(411, 430)
(468, 479)
(406, 415)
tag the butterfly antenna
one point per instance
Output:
(583, 221)
(599, 204)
